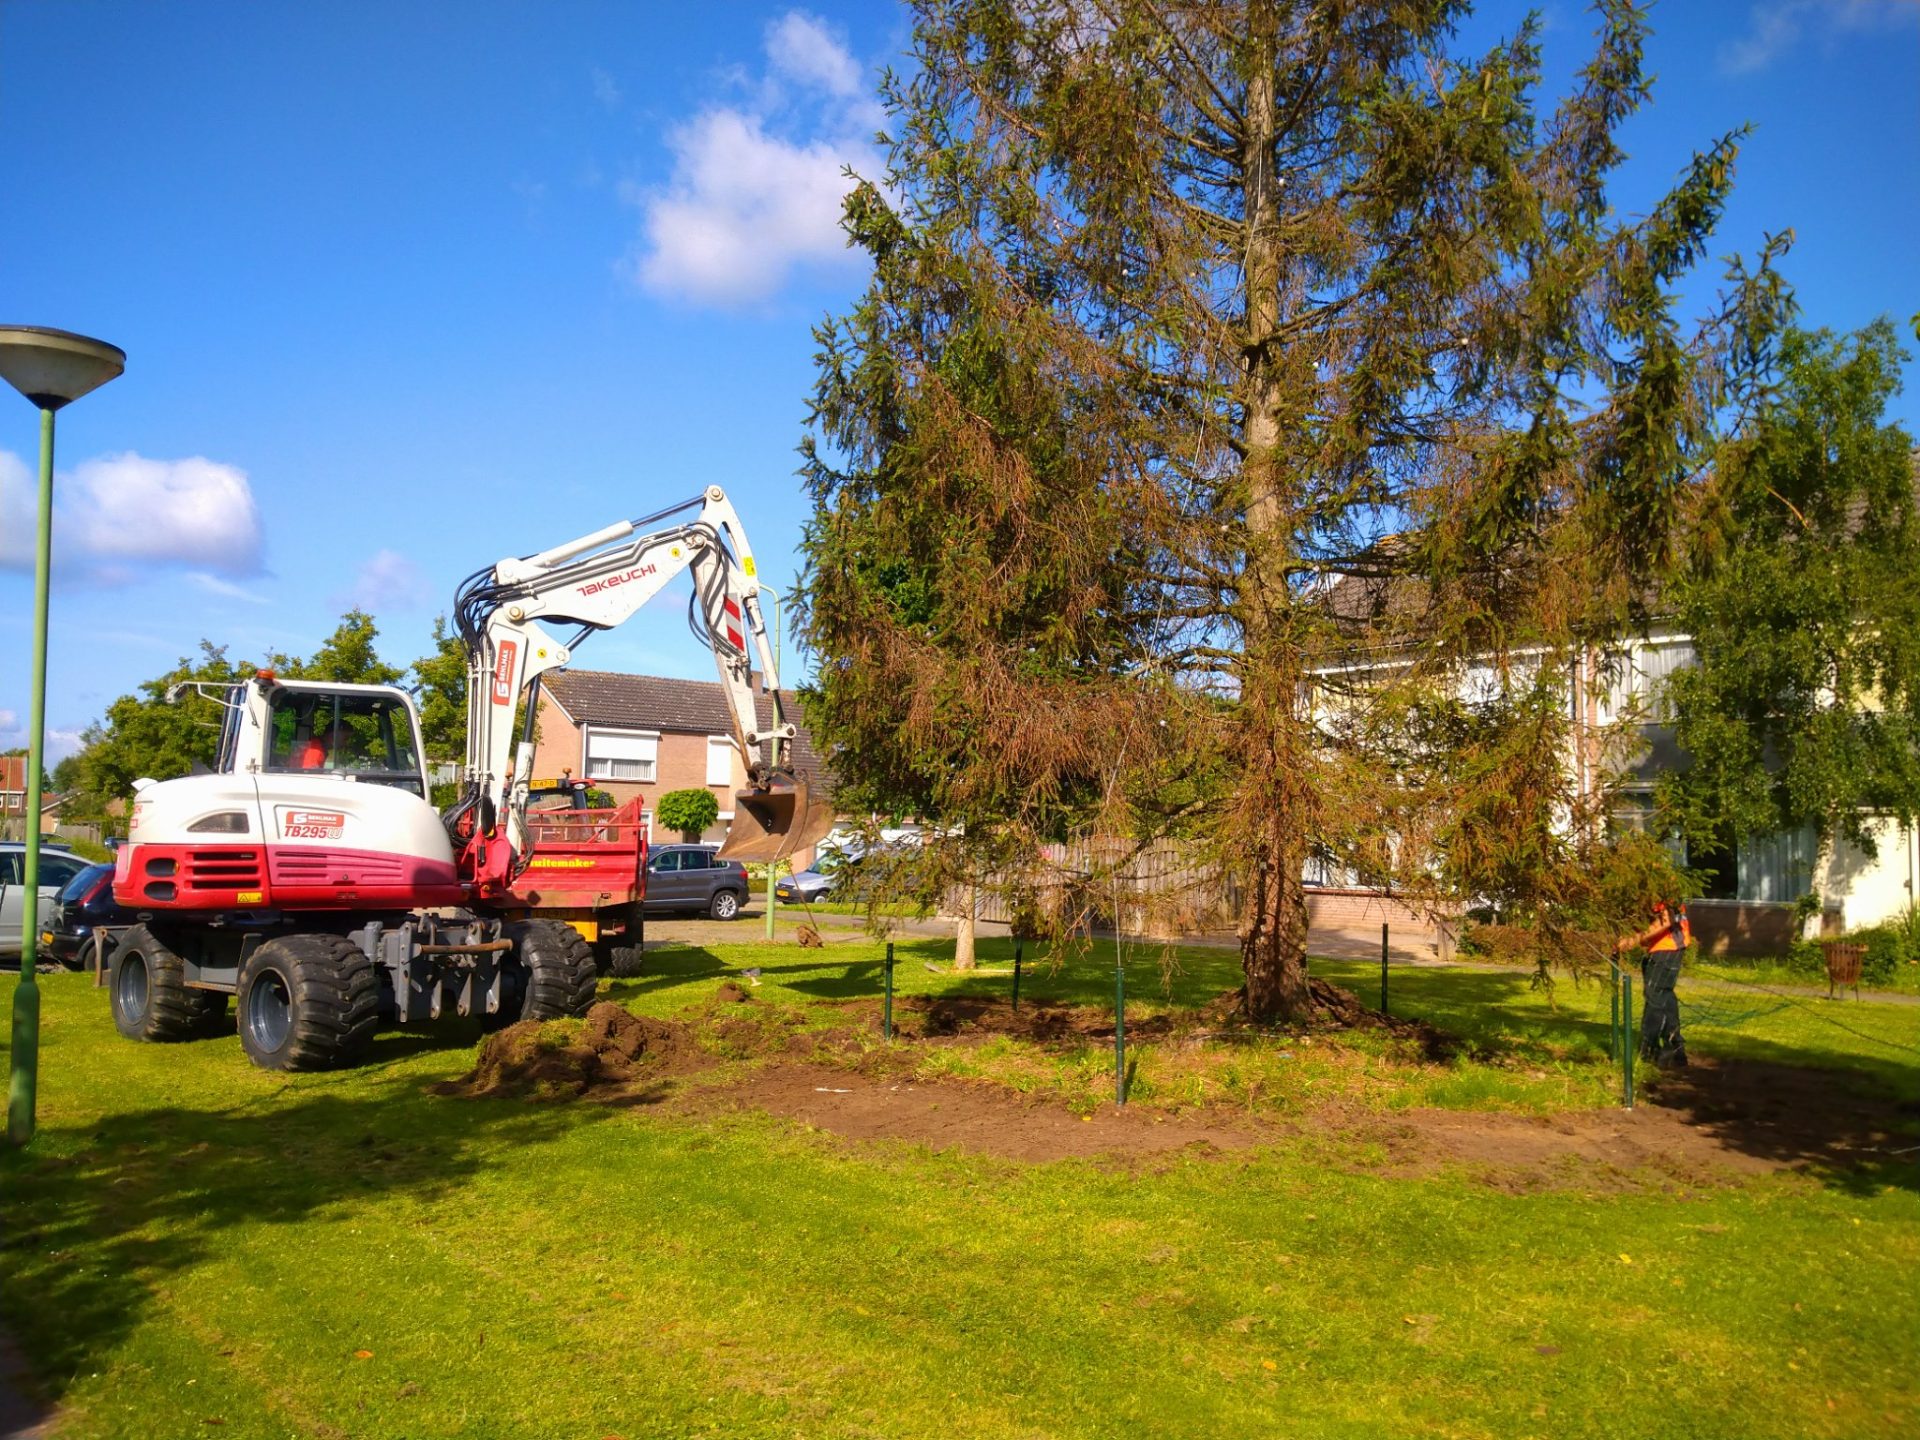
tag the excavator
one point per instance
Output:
(310, 877)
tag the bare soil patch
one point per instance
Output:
(963, 1017)
(977, 1118)
(1711, 1124)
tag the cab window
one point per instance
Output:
(369, 737)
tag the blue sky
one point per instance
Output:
(407, 288)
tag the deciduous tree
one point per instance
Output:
(1803, 601)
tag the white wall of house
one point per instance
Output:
(1625, 686)
(1871, 890)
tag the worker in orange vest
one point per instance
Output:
(1665, 942)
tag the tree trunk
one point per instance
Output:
(1273, 942)
(1273, 946)
(963, 932)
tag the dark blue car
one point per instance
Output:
(86, 901)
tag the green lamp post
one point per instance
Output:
(51, 368)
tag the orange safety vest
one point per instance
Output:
(1679, 934)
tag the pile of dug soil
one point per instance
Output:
(552, 1060)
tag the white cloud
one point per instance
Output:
(757, 188)
(605, 90)
(1776, 26)
(226, 589)
(116, 515)
(388, 581)
(801, 47)
(60, 742)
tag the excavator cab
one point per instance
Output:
(772, 821)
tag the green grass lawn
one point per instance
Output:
(192, 1241)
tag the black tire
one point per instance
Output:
(147, 988)
(627, 962)
(307, 1002)
(725, 904)
(557, 969)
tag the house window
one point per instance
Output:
(719, 760)
(622, 754)
(1777, 867)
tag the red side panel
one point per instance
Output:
(585, 859)
(280, 877)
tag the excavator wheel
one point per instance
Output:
(307, 1002)
(557, 968)
(147, 988)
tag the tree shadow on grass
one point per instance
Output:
(149, 1194)
(1838, 1125)
(1843, 1116)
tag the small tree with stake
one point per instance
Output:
(688, 813)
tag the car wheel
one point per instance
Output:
(725, 904)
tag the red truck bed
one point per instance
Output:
(588, 867)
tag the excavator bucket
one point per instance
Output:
(771, 822)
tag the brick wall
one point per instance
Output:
(1749, 927)
(1331, 909)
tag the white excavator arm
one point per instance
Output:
(595, 583)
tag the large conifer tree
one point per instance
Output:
(1189, 323)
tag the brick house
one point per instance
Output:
(645, 735)
(13, 800)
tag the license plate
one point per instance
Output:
(589, 929)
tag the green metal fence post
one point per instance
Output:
(886, 1014)
(1119, 1033)
(1383, 967)
(1613, 1018)
(1016, 974)
(1627, 1039)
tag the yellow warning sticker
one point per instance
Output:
(247, 897)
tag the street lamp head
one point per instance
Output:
(56, 367)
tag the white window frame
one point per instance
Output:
(721, 745)
(636, 740)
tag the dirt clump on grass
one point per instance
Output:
(565, 1059)
(731, 993)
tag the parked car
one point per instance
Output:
(58, 866)
(804, 888)
(691, 877)
(87, 903)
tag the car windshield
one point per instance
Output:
(367, 736)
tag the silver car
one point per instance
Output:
(57, 866)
